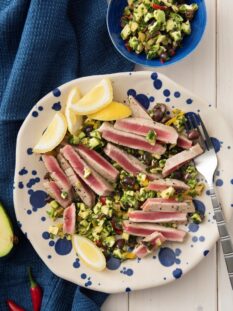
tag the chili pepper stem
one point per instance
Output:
(33, 284)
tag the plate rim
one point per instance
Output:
(144, 74)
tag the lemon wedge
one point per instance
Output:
(74, 121)
(96, 99)
(114, 111)
(53, 135)
(89, 253)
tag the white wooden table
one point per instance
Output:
(208, 72)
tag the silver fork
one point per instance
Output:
(206, 164)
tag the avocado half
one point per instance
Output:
(6, 234)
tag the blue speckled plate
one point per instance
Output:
(173, 260)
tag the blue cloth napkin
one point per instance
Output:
(44, 44)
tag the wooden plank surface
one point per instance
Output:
(225, 105)
(208, 73)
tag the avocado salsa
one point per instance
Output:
(156, 27)
(103, 224)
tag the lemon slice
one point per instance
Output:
(74, 121)
(96, 99)
(53, 135)
(114, 111)
(89, 253)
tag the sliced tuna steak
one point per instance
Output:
(69, 219)
(100, 164)
(137, 110)
(82, 190)
(162, 184)
(149, 244)
(98, 184)
(141, 251)
(157, 217)
(55, 192)
(167, 205)
(139, 126)
(175, 162)
(184, 142)
(129, 140)
(137, 229)
(56, 172)
(128, 162)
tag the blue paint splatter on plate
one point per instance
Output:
(167, 257)
(113, 263)
(177, 273)
(56, 106)
(56, 92)
(63, 247)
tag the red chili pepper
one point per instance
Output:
(13, 306)
(36, 293)
(159, 7)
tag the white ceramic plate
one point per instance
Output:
(174, 259)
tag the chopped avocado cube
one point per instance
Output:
(81, 135)
(162, 39)
(54, 204)
(151, 137)
(141, 36)
(53, 230)
(171, 25)
(196, 218)
(74, 140)
(126, 11)
(160, 16)
(186, 27)
(150, 42)
(142, 9)
(94, 142)
(96, 134)
(176, 35)
(87, 172)
(139, 48)
(97, 208)
(125, 236)
(64, 195)
(109, 241)
(117, 253)
(167, 193)
(154, 27)
(83, 214)
(148, 17)
(105, 209)
(175, 8)
(133, 26)
(176, 17)
(153, 52)
(133, 43)
(188, 7)
(126, 31)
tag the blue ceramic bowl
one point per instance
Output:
(115, 11)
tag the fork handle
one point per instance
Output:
(225, 239)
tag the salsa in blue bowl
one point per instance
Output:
(188, 45)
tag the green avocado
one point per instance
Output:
(6, 233)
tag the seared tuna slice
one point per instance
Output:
(162, 184)
(175, 162)
(149, 244)
(55, 192)
(129, 140)
(56, 172)
(82, 190)
(141, 251)
(69, 219)
(137, 110)
(184, 142)
(157, 217)
(142, 127)
(137, 229)
(98, 184)
(167, 205)
(100, 164)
